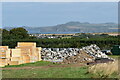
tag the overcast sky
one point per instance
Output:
(16, 14)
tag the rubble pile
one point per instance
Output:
(94, 50)
(82, 57)
(73, 55)
(58, 54)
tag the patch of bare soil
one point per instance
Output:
(49, 66)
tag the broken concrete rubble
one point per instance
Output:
(73, 55)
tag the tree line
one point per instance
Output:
(11, 37)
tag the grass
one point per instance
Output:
(66, 72)
(105, 70)
(52, 72)
(114, 56)
(97, 71)
(38, 63)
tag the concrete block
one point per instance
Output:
(3, 47)
(26, 61)
(27, 50)
(4, 52)
(14, 62)
(2, 65)
(26, 44)
(8, 53)
(16, 58)
(39, 48)
(3, 61)
(2, 55)
(16, 52)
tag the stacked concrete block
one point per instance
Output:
(15, 52)
(15, 57)
(3, 62)
(39, 49)
(26, 59)
(25, 52)
(4, 55)
(29, 51)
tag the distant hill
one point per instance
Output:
(73, 27)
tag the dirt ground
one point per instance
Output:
(49, 66)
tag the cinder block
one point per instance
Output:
(26, 61)
(16, 58)
(25, 57)
(39, 49)
(26, 44)
(4, 52)
(33, 58)
(16, 52)
(2, 65)
(2, 55)
(3, 47)
(27, 49)
(3, 61)
(8, 53)
(14, 62)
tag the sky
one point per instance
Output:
(40, 14)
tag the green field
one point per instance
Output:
(68, 72)
(43, 69)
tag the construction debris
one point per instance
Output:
(73, 55)
(81, 57)
(58, 54)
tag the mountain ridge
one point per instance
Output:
(73, 26)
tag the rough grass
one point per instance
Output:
(97, 71)
(65, 72)
(105, 70)
(114, 56)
